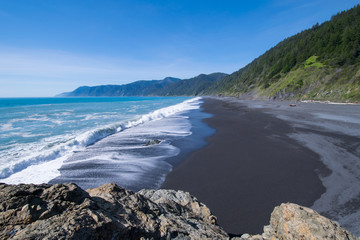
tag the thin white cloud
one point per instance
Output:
(58, 71)
(52, 63)
(49, 63)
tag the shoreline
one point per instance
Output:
(126, 158)
(248, 167)
(40, 135)
(329, 102)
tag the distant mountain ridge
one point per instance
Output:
(169, 86)
(191, 87)
(321, 63)
(138, 88)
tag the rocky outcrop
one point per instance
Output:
(65, 211)
(152, 142)
(293, 222)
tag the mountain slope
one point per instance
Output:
(193, 86)
(166, 87)
(138, 88)
(319, 63)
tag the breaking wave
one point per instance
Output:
(61, 147)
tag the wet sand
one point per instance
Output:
(249, 166)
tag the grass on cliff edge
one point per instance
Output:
(312, 62)
(317, 81)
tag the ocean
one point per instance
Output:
(131, 141)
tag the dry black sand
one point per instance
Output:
(249, 166)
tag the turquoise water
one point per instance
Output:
(39, 135)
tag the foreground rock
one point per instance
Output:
(65, 211)
(293, 222)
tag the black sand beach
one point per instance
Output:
(249, 166)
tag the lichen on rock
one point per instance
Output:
(65, 211)
(290, 221)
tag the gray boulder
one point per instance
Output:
(65, 211)
(290, 221)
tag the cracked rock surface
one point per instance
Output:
(65, 211)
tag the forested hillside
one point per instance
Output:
(191, 87)
(166, 87)
(319, 63)
(138, 88)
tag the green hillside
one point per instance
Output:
(167, 87)
(191, 87)
(321, 63)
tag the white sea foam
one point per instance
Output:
(28, 135)
(7, 127)
(50, 153)
(36, 174)
(102, 115)
(94, 135)
(65, 113)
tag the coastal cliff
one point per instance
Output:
(65, 211)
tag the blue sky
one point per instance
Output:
(52, 46)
